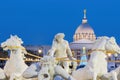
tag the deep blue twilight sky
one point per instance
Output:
(37, 21)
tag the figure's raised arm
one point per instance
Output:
(52, 50)
(68, 50)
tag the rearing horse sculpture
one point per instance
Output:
(97, 65)
(15, 66)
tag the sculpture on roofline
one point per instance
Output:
(15, 66)
(97, 64)
(50, 66)
(60, 49)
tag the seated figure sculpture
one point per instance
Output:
(61, 50)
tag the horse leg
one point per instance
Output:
(74, 65)
(27, 79)
(114, 75)
(12, 76)
(2, 74)
(15, 76)
(94, 76)
(66, 66)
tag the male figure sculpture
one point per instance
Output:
(61, 50)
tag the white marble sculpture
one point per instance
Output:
(15, 66)
(32, 71)
(97, 65)
(2, 75)
(112, 75)
(48, 70)
(60, 49)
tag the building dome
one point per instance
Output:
(84, 31)
(84, 28)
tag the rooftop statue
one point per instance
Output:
(51, 64)
(97, 65)
(61, 50)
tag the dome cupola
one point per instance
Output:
(84, 31)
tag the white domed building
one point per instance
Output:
(83, 38)
(84, 31)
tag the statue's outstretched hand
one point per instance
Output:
(50, 52)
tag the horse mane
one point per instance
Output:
(102, 37)
(98, 41)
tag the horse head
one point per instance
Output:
(112, 46)
(47, 68)
(106, 44)
(12, 43)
